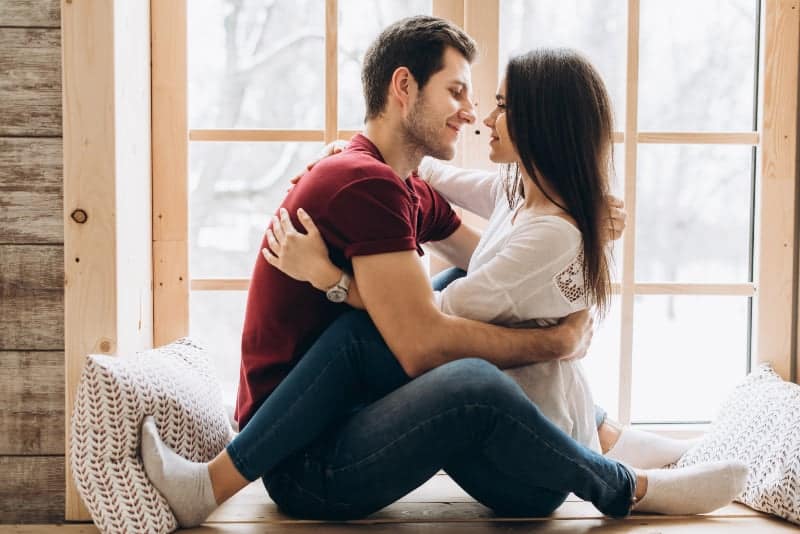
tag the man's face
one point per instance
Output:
(443, 107)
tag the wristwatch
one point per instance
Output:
(338, 293)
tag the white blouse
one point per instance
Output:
(526, 271)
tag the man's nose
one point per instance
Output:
(467, 113)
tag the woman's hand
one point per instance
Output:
(615, 222)
(303, 257)
(328, 150)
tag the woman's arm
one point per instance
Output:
(304, 257)
(473, 189)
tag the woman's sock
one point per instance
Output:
(186, 485)
(646, 450)
(697, 489)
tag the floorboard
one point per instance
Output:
(441, 507)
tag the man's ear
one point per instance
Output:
(403, 88)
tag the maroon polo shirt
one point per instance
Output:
(361, 208)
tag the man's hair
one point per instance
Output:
(417, 43)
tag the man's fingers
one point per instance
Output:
(286, 223)
(306, 221)
(273, 243)
(271, 258)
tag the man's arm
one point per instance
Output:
(459, 247)
(396, 293)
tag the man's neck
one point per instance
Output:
(396, 152)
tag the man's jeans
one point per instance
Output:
(347, 433)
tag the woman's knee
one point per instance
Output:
(473, 380)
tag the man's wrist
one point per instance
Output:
(327, 276)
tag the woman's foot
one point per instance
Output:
(697, 489)
(640, 449)
(186, 485)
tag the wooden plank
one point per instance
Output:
(732, 290)
(700, 138)
(220, 284)
(32, 403)
(331, 70)
(257, 135)
(32, 489)
(628, 250)
(38, 13)
(30, 88)
(170, 171)
(482, 22)
(31, 214)
(774, 311)
(31, 297)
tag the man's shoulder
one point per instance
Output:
(353, 170)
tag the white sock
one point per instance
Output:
(697, 489)
(646, 450)
(186, 485)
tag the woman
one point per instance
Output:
(542, 256)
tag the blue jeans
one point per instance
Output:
(347, 433)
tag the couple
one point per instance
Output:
(344, 411)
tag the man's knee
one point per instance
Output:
(472, 380)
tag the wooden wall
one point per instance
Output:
(31, 264)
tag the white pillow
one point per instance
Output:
(759, 424)
(173, 383)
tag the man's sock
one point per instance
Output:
(646, 450)
(186, 485)
(697, 489)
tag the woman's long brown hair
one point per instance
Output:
(560, 122)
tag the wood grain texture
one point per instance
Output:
(37, 13)
(32, 489)
(31, 193)
(32, 403)
(31, 297)
(30, 88)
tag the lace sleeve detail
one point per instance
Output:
(570, 282)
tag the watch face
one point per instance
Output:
(337, 294)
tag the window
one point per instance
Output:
(702, 272)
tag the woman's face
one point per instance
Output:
(500, 148)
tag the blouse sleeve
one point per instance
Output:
(521, 282)
(473, 189)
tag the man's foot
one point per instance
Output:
(646, 450)
(697, 489)
(186, 485)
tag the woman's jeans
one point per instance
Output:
(347, 433)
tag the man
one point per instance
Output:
(459, 413)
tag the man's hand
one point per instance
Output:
(615, 222)
(328, 150)
(575, 334)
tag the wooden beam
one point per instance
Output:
(628, 251)
(170, 172)
(700, 138)
(30, 87)
(220, 284)
(108, 307)
(331, 70)
(31, 214)
(775, 308)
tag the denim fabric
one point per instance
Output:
(321, 459)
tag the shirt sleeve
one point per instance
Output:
(371, 216)
(510, 288)
(475, 190)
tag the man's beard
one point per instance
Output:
(423, 136)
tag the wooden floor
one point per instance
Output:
(441, 507)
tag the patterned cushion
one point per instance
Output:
(173, 383)
(759, 424)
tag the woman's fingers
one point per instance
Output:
(286, 223)
(277, 229)
(271, 258)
